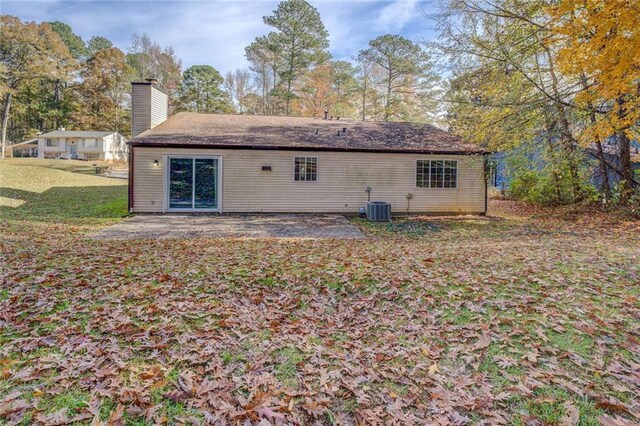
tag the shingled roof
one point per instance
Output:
(75, 134)
(187, 129)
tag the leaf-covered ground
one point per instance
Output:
(529, 319)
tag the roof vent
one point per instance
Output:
(326, 113)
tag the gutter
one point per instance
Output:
(304, 148)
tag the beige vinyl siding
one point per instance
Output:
(149, 108)
(159, 107)
(116, 148)
(342, 180)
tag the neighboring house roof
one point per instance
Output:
(610, 147)
(301, 133)
(75, 134)
(27, 142)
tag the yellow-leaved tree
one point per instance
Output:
(598, 41)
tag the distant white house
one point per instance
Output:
(83, 145)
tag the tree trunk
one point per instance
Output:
(568, 141)
(605, 186)
(364, 98)
(264, 93)
(552, 152)
(626, 183)
(5, 122)
(388, 100)
(288, 96)
(568, 144)
(624, 152)
(292, 58)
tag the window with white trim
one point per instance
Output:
(305, 169)
(90, 143)
(52, 142)
(437, 174)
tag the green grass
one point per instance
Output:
(60, 191)
(288, 358)
(571, 341)
(73, 400)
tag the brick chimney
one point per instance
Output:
(149, 106)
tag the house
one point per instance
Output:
(193, 162)
(28, 148)
(501, 173)
(611, 152)
(83, 145)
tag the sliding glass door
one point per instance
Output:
(193, 183)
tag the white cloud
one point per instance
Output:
(394, 16)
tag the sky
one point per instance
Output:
(216, 32)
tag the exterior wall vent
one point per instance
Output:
(378, 211)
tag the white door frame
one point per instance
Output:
(166, 160)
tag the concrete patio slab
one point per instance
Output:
(232, 226)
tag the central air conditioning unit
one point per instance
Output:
(378, 211)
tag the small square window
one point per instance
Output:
(52, 142)
(306, 169)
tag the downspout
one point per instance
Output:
(130, 198)
(486, 184)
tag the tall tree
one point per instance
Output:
(28, 52)
(148, 59)
(404, 64)
(74, 42)
(329, 86)
(54, 103)
(238, 86)
(101, 94)
(365, 72)
(302, 41)
(263, 55)
(98, 43)
(201, 90)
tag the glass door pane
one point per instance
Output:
(206, 192)
(180, 183)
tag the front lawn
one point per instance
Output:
(59, 190)
(528, 318)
